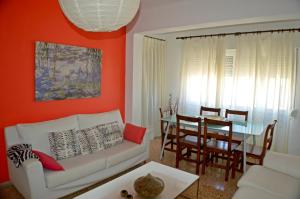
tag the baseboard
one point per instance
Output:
(5, 184)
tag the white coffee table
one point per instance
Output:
(176, 182)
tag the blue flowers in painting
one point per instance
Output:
(66, 72)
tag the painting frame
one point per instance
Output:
(66, 71)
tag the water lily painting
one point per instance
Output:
(66, 72)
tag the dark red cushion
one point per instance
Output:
(48, 162)
(134, 133)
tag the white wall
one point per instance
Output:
(168, 15)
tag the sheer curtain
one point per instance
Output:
(202, 61)
(262, 79)
(153, 82)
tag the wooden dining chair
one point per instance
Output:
(219, 144)
(258, 152)
(188, 139)
(171, 137)
(243, 114)
(215, 111)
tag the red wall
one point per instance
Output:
(24, 22)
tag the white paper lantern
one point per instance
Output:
(100, 15)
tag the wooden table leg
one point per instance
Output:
(244, 153)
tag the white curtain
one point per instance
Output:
(262, 79)
(202, 61)
(153, 82)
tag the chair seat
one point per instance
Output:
(251, 149)
(190, 139)
(237, 139)
(221, 145)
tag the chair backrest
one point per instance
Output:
(236, 112)
(212, 110)
(164, 112)
(182, 128)
(227, 137)
(268, 139)
(176, 106)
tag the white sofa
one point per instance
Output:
(34, 182)
(278, 178)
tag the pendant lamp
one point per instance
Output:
(100, 15)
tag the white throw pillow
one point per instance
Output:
(36, 134)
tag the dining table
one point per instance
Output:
(243, 129)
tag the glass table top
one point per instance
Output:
(238, 127)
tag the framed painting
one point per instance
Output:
(66, 72)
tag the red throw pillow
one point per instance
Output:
(48, 162)
(134, 133)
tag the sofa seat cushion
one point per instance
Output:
(250, 193)
(75, 168)
(123, 152)
(271, 181)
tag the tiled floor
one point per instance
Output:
(212, 184)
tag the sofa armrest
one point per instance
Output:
(147, 137)
(285, 163)
(29, 178)
(146, 142)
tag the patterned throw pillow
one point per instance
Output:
(83, 142)
(95, 138)
(19, 153)
(112, 134)
(64, 144)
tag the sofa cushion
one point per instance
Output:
(112, 134)
(91, 120)
(37, 133)
(19, 153)
(94, 138)
(75, 168)
(83, 142)
(285, 163)
(134, 133)
(123, 152)
(271, 181)
(48, 162)
(250, 193)
(64, 144)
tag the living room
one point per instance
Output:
(128, 82)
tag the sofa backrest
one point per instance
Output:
(91, 120)
(11, 136)
(37, 133)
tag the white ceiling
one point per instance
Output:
(157, 3)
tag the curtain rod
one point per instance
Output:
(241, 33)
(154, 38)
